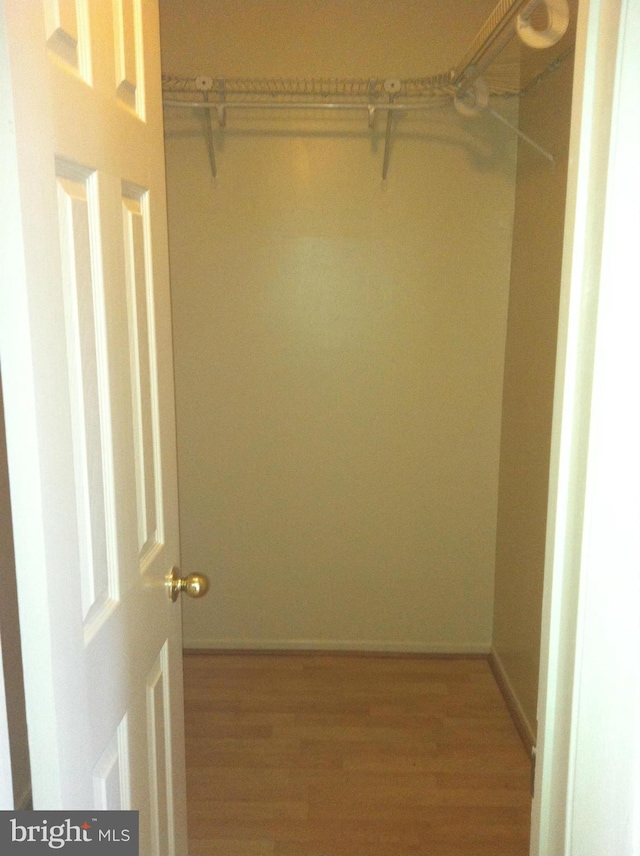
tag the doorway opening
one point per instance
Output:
(364, 371)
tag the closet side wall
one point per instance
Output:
(545, 113)
(339, 345)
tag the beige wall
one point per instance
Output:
(529, 375)
(339, 345)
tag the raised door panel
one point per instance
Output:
(67, 33)
(89, 389)
(129, 56)
(159, 747)
(111, 775)
(143, 363)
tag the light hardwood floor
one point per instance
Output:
(336, 755)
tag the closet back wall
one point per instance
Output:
(339, 345)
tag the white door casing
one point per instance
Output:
(87, 372)
(587, 793)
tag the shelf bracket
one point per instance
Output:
(372, 95)
(222, 108)
(391, 86)
(522, 135)
(205, 85)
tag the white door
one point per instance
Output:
(87, 372)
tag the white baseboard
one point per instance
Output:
(371, 646)
(520, 718)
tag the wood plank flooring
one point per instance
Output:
(337, 755)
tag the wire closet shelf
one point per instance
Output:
(461, 86)
(313, 91)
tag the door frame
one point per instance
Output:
(587, 788)
(598, 128)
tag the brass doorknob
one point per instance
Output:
(195, 585)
